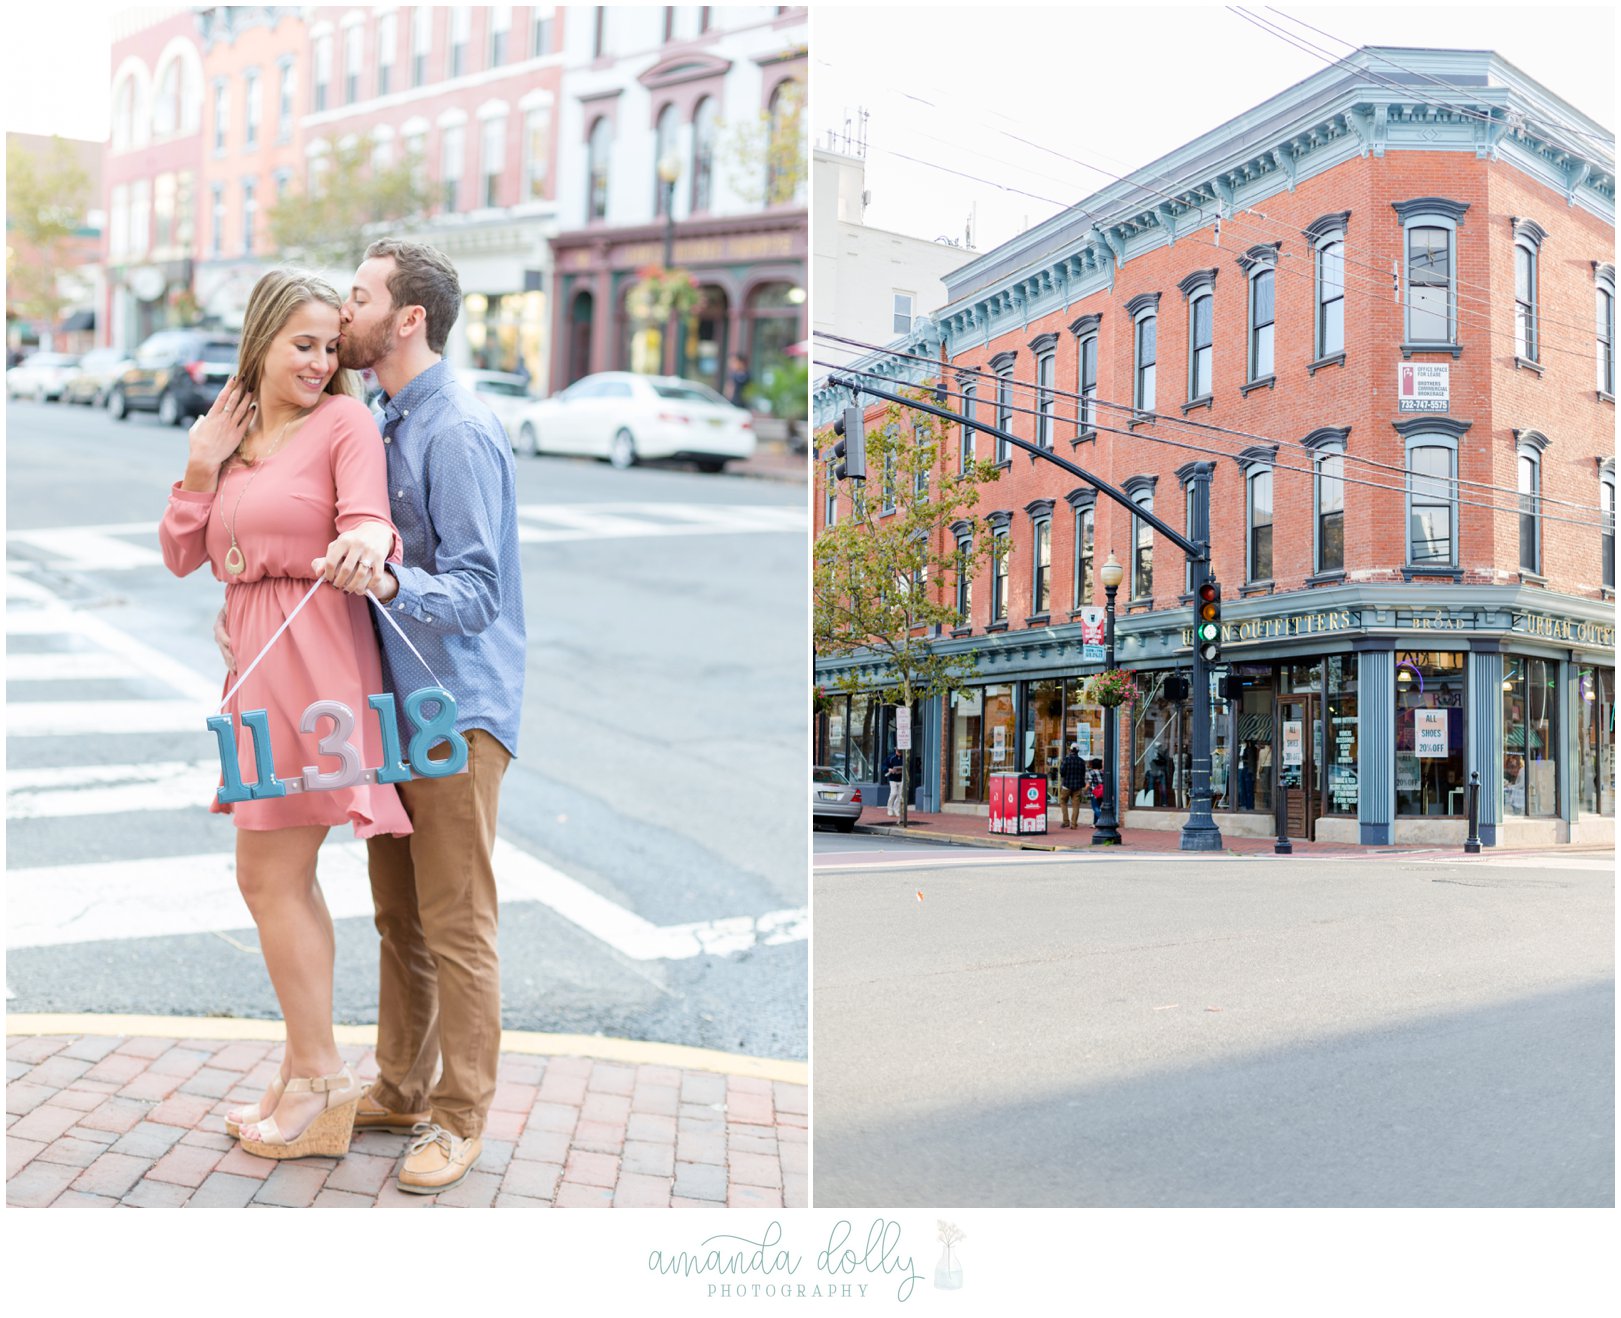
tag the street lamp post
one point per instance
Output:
(1107, 832)
(669, 172)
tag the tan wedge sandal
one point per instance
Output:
(328, 1135)
(233, 1125)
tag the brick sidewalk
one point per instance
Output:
(970, 830)
(137, 1122)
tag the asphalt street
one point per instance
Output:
(652, 827)
(1022, 1031)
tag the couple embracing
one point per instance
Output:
(312, 519)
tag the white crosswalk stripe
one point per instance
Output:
(127, 545)
(52, 905)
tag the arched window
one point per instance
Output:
(1200, 290)
(1430, 226)
(1528, 236)
(1604, 279)
(1606, 502)
(1041, 556)
(1140, 490)
(1327, 236)
(1528, 447)
(785, 150)
(663, 149)
(1328, 499)
(1144, 312)
(1258, 523)
(705, 120)
(597, 160)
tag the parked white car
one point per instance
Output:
(41, 376)
(628, 418)
(506, 394)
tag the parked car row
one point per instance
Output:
(616, 415)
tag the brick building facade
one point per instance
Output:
(1418, 564)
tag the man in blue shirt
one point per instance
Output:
(458, 598)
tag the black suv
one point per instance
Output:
(177, 374)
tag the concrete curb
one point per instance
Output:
(522, 1042)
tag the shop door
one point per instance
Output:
(1298, 768)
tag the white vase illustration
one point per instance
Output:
(948, 1271)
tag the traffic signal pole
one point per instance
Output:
(1200, 833)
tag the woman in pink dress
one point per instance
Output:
(285, 460)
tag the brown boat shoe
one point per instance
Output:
(372, 1115)
(436, 1159)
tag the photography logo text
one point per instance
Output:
(736, 1266)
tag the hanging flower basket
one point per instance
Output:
(1112, 687)
(659, 293)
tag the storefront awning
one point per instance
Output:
(79, 320)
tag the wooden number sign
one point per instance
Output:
(336, 745)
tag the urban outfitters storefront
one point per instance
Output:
(1368, 711)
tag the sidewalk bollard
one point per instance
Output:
(1471, 844)
(1280, 805)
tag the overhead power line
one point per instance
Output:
(1272, 464)
(1244, 436)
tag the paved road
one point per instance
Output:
(1249, 1032)
(652, 827)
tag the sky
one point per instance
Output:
(55, 74)
(1120, 86)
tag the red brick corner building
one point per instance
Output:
(1384, 319)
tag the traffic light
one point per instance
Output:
(851, 450)
(1207, 625)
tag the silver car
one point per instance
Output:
(834, 799)
(41, 376)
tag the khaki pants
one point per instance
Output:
(1070, 799)
(440, 972)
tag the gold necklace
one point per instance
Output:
(235, 564)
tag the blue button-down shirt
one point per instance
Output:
(452, 491)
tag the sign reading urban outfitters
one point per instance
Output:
(1541, 626)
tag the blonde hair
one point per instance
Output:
(270, 306)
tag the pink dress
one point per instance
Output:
(328, 477)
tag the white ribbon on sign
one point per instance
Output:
(381, 608)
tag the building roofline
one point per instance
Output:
(1331, 101)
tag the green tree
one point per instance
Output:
(46, 199)
(885, 574)
(766, 158)
(333, 224)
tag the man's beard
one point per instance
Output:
(358, 354)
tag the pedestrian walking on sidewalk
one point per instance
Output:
(1071, 782)
(894, 772)
(1094, 789)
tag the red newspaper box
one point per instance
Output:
(1004, 801)
(1032, 812)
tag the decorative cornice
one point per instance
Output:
(1000, 520)
(1043, 343)
(967, 380)
(1604, 270)
(1039, 508)
(1530, 439)
(1263, 256)
(1003, 361)
(1257, 455)
(1141, 303)
(1431, 425)
(1134, 485)
(1529, 230)
(1082, 497)
(1188, 470)
(1409, 210)
(1197, 280)
(1086, 324)
(688, 67)
(1325, 437)
(962, 530)
(1325, 226)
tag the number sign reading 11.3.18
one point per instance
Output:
(430, 729)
